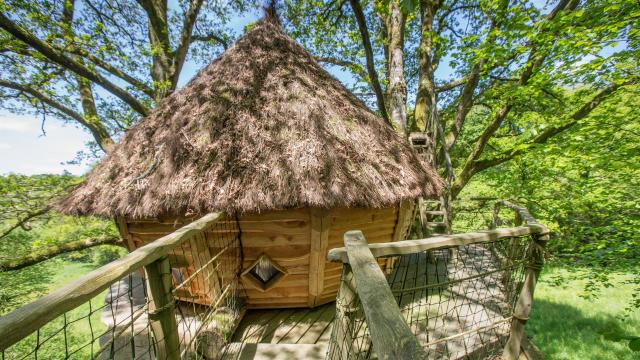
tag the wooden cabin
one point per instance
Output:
(293, 243)
(269, 137)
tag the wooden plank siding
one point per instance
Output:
(297, 240)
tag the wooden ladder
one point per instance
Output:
(432, 216)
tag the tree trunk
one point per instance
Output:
(426, 112)
(368, 51)
(397, 86)
(162, 69)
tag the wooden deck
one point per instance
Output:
(462, 319)
(286, 326)
(282, 334)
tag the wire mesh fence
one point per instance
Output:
(128, 320)
(457, 301)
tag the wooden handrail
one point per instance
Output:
(437, 242)
(522, 213)
(23, 321)
(391, 336)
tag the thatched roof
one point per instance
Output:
(262, 127)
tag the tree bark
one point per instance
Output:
(426, 112)
(397, 86)
(41, 255)
(167, 63)
(98, 130)
(368, 51)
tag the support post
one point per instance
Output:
(162, 309)
(523, 307)
(390, 335)
(344, 324)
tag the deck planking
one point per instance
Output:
(286, 326)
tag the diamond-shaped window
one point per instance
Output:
(264, 273)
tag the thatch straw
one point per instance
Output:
(263, 127)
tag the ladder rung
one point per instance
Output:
(435, 212)
(436, 224)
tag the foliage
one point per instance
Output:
(23, 195)
(134, 51)
(584, 186)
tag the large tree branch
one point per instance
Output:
(23, 221)
(140, 85)
(368, 51)
(87, 100)
(162, 54)
(45, 99)
(550, 132)
(65, 61)
(99, 132)
(534, 61)
(466, 96)
(185, 37)
(451, 84)
(41, 255)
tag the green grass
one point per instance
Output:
(565, 326)
(27, 285)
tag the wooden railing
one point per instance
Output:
(365, 289)
(159, 259)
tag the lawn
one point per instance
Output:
(565, 326)
(83, 325)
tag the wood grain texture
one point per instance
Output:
(438, 242)
(391, 336)
(27, 319)
(161, 309)
(319, 238)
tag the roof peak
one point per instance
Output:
(271, 14)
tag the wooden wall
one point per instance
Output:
(297, 240)
(284, 236)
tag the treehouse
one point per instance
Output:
(267, 136)
(244, 193)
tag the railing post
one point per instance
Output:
(343, 326)
(162, 309)
(525, 300)
(390, 335)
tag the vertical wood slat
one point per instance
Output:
(405, 212)
(522, 310)
(319, 239)
(390, 335)
(123, 229)
(162, 309)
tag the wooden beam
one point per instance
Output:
(522, 310)
(23, 321)
(123, 229)
(320, 224)
(405, 212)
(162, 309)
(391, 336)
(438, 242)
